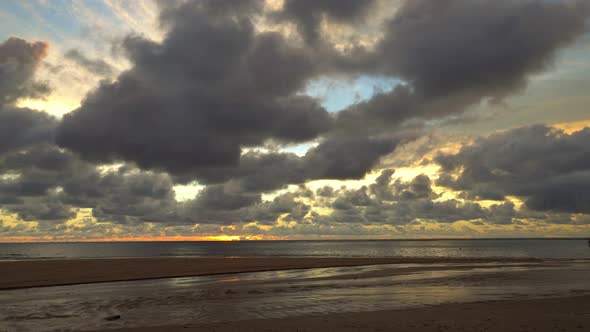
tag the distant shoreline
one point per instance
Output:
(307, 240)
(59, 272)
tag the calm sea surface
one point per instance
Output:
(538, 248)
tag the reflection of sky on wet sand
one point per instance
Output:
(284, 293)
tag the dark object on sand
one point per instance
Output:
(114, 317)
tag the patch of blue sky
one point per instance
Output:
(48, 21)
(14, 18)
(574, 54)
(54, 20)
(299, 149)
(337, 94)
(101, 9)
(574, 60)
(57, 15)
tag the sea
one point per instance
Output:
(449, 248)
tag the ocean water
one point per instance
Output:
(534, 248)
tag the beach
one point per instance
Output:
(295, 294)
(54, 272)
(541, 315)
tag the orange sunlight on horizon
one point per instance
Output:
(215, 238)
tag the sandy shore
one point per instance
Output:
(353, 294)
(555, 314)
(36, 273)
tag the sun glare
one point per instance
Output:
(224, 238)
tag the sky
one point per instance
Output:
(293, 119)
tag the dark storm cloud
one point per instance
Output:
(21, 127)
(347, 157)
(209, 89)
(47, 183)
(455, 53)
(270, 171)
(338, 158)
(308, 14)
(41, 182)
(219, 197)
(547, 167)
(36, 173)
(257, 172)
(213, 86)
(18, 61)
(447, 68)
(25, 190)
(385, 109)
(129, 196)
(96, 66)
(485, 48)
(42, 208)
(224, 205)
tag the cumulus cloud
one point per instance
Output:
(429, 45)
(31, 191)
(18, 61)
(397, 202)
(448, 67)
(214, 85)
(196, 99)
(339, 158)
(20, 127)
(547, 167)
(308, 15)
(50, 184)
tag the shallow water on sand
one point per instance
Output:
(283, 294)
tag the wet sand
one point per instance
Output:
(37, 273)
(541, 315)
(476, 295)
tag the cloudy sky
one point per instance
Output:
(294, 119)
